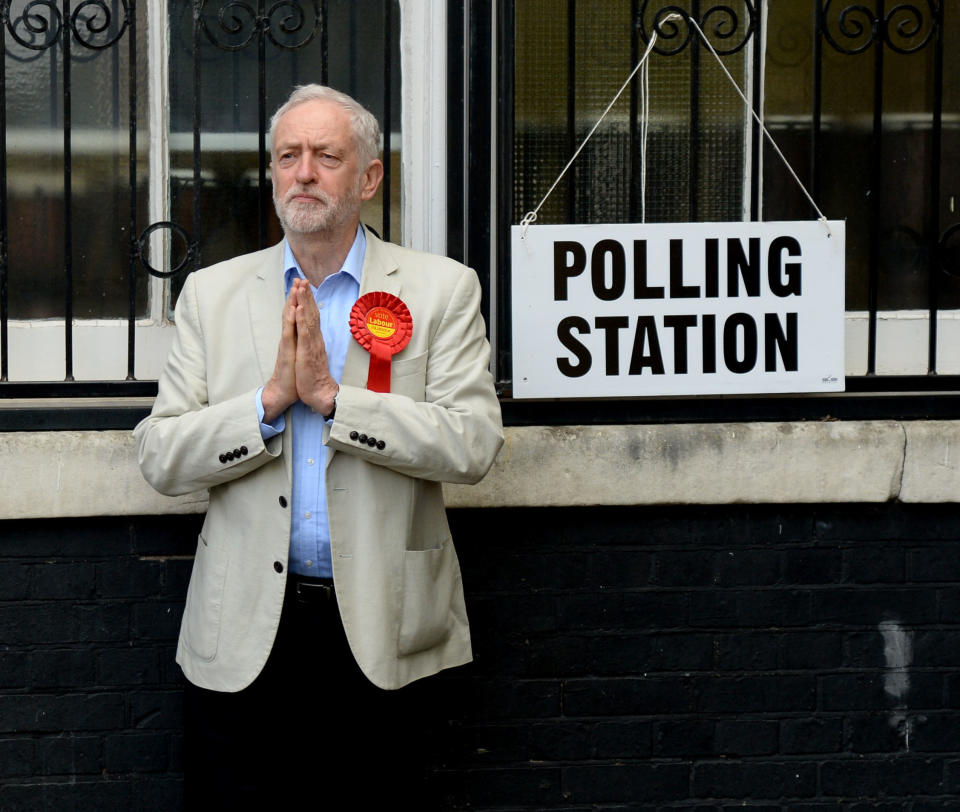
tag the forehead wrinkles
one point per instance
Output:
(317, 125)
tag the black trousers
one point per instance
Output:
(311, 730)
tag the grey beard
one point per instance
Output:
(312, 218)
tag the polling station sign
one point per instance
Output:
(633, 310)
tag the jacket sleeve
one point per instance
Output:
(187, 443)
(452, 435)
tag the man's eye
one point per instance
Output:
(329, 160)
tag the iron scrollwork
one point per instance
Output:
(143, 249)
(905, 28)
(729, 31)
(286, 23)
(948, 255)
(39, 25)
(93, 24)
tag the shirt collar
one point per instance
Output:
(352, 265)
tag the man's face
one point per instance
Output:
(318, 184)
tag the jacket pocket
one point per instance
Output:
(408, 376)
(429, 577)
(201, 616)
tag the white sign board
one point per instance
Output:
(677, 309)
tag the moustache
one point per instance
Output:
(306, 190)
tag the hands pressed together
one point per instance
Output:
(302, 371)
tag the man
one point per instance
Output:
(325, 566)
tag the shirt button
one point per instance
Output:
(308, 563)
(310, 462)
(306, 515)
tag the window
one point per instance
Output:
(863, 98)
(134, 136)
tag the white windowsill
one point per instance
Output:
(100, 346)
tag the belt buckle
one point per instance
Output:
(313, 593)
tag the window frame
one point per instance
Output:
(34, 349)
(905, 391)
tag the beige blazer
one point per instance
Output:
(395, 569)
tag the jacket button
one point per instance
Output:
(278, 566)
(354, 435)
(362, 438)
(236, 453)
(243, 450)
(229, 455)
(223, 458)
(381, 445)
(371, 441)
(283, 501)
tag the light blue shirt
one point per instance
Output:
(310, 523)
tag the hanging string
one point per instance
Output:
(644, 129)
(757, 118)
(531, 216)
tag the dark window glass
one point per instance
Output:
(68, 173)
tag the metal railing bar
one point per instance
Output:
(77, 389)
(756, 138)
(262, 121)
(4, 233)
(387, 112)
(504, 90)
(571, 106)
(197, 12)
(633, 205)
(694, 124)
(324, 47)
(816, 121)
(67, 198)
(132, 229)
(876, 175)
(936, 153)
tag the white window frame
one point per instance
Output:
(36, 347)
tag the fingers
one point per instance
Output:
(289, 321)
(308, 315)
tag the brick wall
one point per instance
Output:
(90, 708)
(796, 657)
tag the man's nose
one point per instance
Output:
(306, 169)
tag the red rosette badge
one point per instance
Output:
(382, 323)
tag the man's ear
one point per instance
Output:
(370, 179)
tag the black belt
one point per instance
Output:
(305, 589)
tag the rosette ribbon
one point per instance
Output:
(382, 324)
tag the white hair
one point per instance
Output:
(366, 131)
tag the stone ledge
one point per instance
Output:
(56, 474)
(710, 463)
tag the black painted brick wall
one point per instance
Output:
(626, 658)
(90, 697)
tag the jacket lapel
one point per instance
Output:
(265, 302)
(379, 273)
